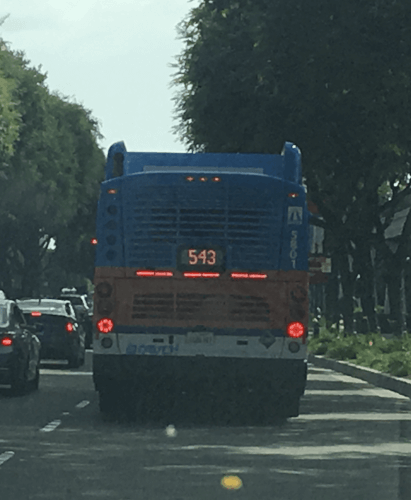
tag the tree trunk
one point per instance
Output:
(347, 282)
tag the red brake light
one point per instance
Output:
(160, 274)
(201, 275)
(6, 341)
(69, 327)
(250, 276)
(36, 313)
(105, 325)
(295, 329)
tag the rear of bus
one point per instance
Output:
(201, 274)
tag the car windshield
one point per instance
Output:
(3, 315)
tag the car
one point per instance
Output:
(19, 349)
(63, 336)
(83, 311)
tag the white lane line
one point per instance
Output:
(82, 404)
(380, 393)
(6, 456)
(47, 371)
(51, 426)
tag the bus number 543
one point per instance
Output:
(203, 257)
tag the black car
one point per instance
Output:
(19, 349)
(83, 311)
(63, 336)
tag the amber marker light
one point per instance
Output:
(189, 178)
(216, 179)
(203, 179)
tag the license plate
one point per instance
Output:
(200, 338)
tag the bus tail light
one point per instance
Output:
(104, 289)
(295, 330)
(105, 325)
(6, 341)
(35, 313)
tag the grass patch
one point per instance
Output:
(371, 350)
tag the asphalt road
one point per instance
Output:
(351, 441)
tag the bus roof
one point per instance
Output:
(286, 165)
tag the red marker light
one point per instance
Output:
(111, 191)
(6, 341)
(189, 178)
(203, 179)
(159, 274)
(69, 327)
(35, 313)
(293, 195)
(216, 179)
(250, 276)
(295, 329)
(93, 241)
(201, 275)
(105, 325)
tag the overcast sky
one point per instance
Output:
(112, 56)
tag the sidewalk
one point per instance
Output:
(374, 377)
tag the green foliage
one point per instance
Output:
(50, 181)
(372, 350)
(9, 115)
(333, 77)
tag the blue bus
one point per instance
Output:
(201, 280)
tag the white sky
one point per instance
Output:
(112, 56)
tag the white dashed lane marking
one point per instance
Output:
(6, 456)
(51, 426)
(82, 404)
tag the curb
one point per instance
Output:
(374, 377)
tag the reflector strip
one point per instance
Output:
(160, 274)
(250, 276)
(201, 275)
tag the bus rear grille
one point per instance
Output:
(246, 223)
(201, 307)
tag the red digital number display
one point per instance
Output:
(205, 257)
(200, 258)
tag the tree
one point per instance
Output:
(50, 179)
(333, 77)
